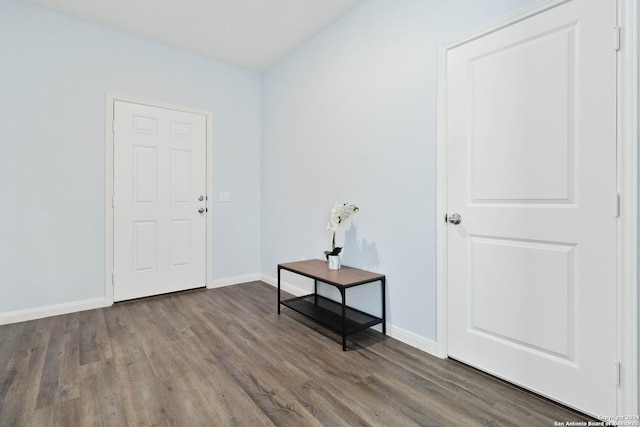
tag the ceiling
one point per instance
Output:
(248, 33)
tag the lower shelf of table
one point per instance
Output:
(329, 313)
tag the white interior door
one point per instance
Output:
(159, 200)
(531, 125)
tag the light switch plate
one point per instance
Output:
(225, 196)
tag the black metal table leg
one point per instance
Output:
(315, 291)
(278, 289)
(384, 307)
(344, 319)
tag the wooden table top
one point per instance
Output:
(345, 276)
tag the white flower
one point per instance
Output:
(334, 221)
(339, 214)
(346, 210)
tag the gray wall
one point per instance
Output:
(351, 117)
(55, 73)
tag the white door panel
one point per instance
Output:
(514, 83)
(531, 122)
(159, 175)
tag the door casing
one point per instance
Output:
(627, 154)
(109, 186)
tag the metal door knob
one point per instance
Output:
(201, 210)
(201, 198)
(455, 219)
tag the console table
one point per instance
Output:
(334, 315)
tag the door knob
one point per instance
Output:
(455, 219)
(201, 198)
(201, 210)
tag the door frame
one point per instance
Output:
(109, 186)
(627, 155)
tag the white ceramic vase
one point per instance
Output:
(334, 262)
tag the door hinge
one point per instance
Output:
(616, 38)
(113, 202)
(113, 125)
(616, 372)
(618, 204)
(113, 280)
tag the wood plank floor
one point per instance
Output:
(224, 357)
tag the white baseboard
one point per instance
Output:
(407, 337)
(414, 340)
(287, 287)
(219, 283)
(51, 310)
(90, 304)
(400, 334)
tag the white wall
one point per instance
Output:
(55, 73)
(348, 117)
(351, 117)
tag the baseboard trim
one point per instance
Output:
(228, 281)
(51, 310)
(400, 334)
(407, 337)
(90, 304)
(287, 287)
(412, 339)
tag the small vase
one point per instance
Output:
(334, 262)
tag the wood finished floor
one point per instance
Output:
(223, 357)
